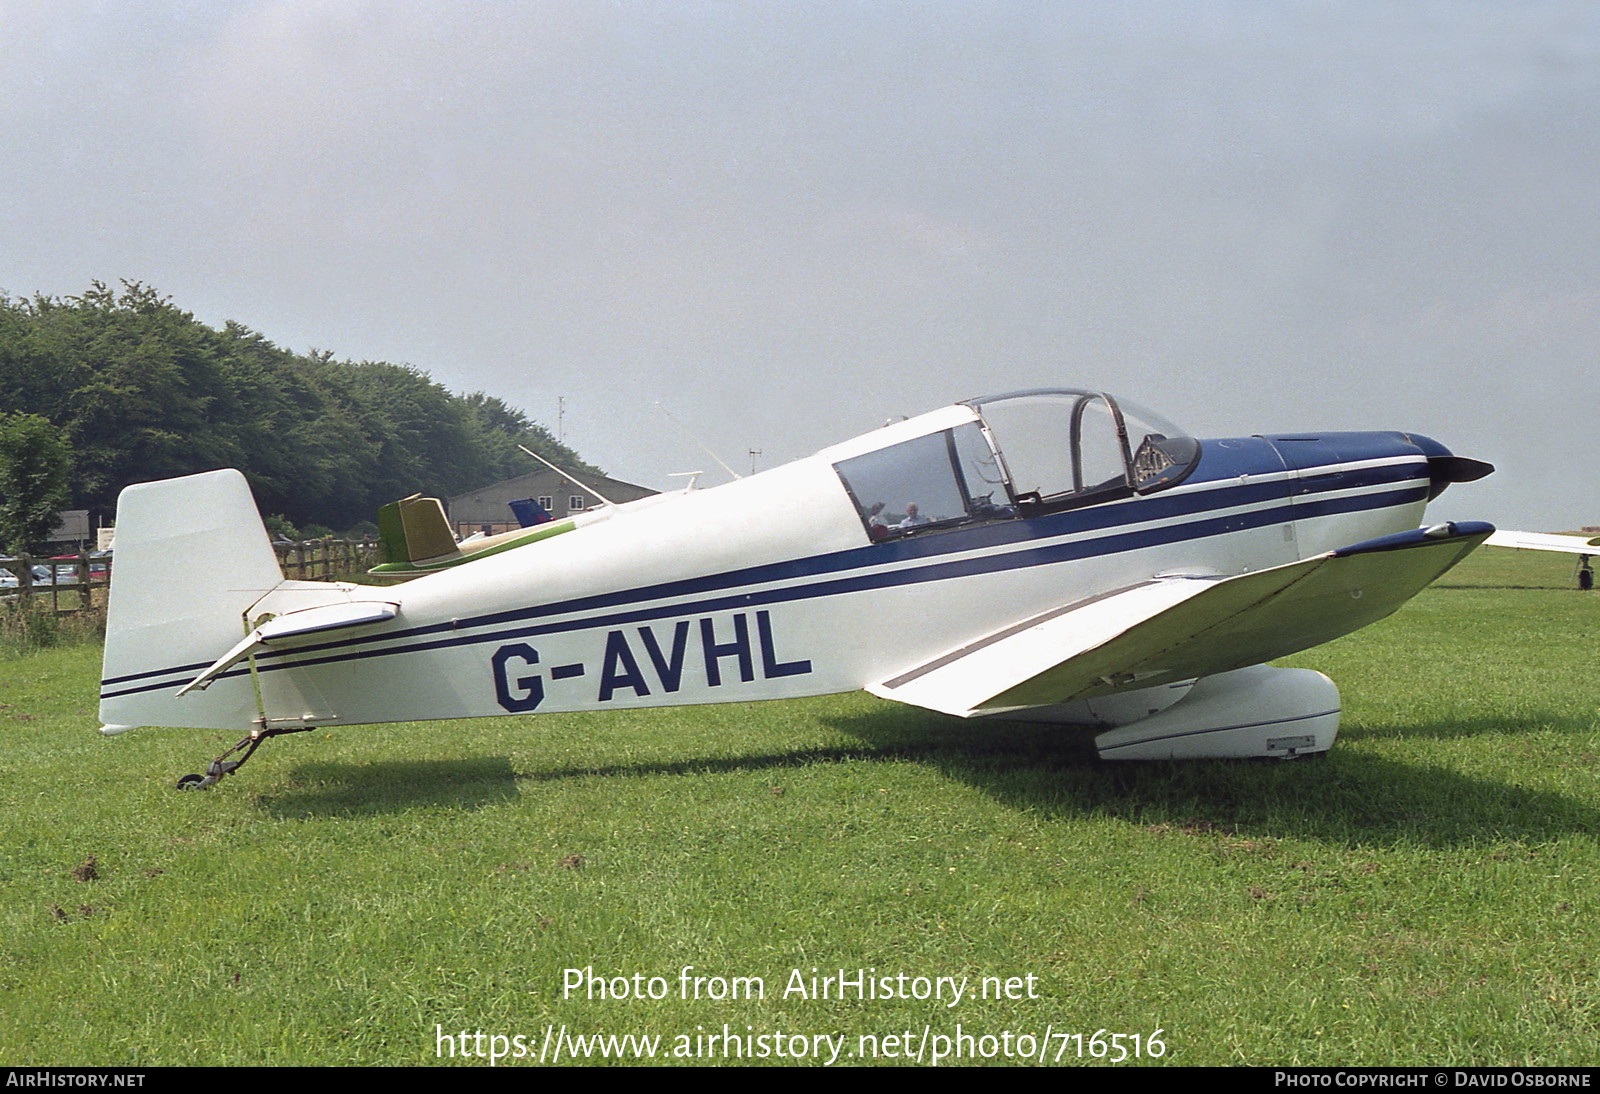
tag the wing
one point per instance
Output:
(1546, 541)
(1180, 628)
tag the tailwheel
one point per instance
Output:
(221, 766)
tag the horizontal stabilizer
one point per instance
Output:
(284, 630)
(1180, 628)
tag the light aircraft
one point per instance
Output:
(1054, 555)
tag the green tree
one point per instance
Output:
(35, 464)
(141, 390)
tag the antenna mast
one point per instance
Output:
(568, 474)
(698, 442)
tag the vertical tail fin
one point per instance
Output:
(414, 529)
(190, 558)
(529, 512)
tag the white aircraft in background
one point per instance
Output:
(1582, 546)
(1055, 555)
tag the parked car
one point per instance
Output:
(66, 568)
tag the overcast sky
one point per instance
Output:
(789, 221)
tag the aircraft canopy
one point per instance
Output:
(1031, 452)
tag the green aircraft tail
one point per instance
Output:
(414, 529)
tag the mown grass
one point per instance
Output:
(1429, 893)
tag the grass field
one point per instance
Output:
(1429, 893)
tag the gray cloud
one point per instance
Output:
(789, 221)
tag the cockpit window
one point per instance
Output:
(935, 482)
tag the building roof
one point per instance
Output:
(567, 493)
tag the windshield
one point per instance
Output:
(1070, 446)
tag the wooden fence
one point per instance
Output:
(69, 584)
(327, 559)
(65, 584)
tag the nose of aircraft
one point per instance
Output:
(1445, 467)
(1308, 452)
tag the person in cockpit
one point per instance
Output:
(913, 517)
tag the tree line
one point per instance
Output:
(137, 389)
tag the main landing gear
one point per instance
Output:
(221, 766)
